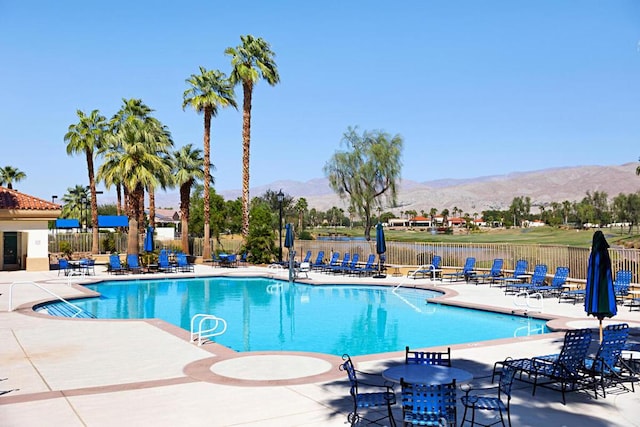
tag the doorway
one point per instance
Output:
(10, 250)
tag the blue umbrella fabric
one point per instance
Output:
(148, 240)
(288, 237)
(381, 247)
(600, 300)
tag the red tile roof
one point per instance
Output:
(12, 199)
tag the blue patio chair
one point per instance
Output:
(339, 266)
(429, 405)
(483, 401)
(368, 269)
(519, 270)
(183, 264)
(621, 284)
(537, 279)
(557, 283)
(242, 261)
(431, 270)
(115, 267)
(382, 397)
(607, 367)
(465, 273)
(88, 266)
(64, 267)
(494, 273)
(307, 257)
(319, 262)
(133, 263)
(441, 358)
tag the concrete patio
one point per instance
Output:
(87, 372)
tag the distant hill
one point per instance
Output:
(471, 195)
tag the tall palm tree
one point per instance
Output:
(139, 162)
(250, 61)
(87, 136)
(9, 175)
(207, 92)
(187, 170)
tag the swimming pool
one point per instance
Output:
(270, 315)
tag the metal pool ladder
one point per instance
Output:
(217, 327)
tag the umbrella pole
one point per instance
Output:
(600, 320)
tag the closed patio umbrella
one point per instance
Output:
(288, 243)
(381, 248)
(600, 300)
(148, 240)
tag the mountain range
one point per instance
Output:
(472, 195)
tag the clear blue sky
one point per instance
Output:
(474, 87)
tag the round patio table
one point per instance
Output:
(427, 374)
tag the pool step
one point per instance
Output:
(65, 310)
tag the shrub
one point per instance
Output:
(65, 248)
(305, 235)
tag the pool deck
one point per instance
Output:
(87, 372)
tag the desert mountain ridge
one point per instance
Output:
(472, 195)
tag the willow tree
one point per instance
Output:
(88, 137)
(207, 92)
(367, 172)
(250, 61)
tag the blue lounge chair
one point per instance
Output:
(307, 257)
(319, 262)
(516, 277)
(557, 283)
(350, 266)
(621, 284)
(115, 267)
(133, 264)
(431, 270)
(368, 269)
(564, 372)
(537, 279)
(465, 273)
(332, 262)
(494, 273)
(164, 264)
(183, 264)
(339, 266)
(382, 397)
(608, 368)
(429, 405)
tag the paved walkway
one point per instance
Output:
(85, 372)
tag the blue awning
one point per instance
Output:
(67, 223)
(109, 221)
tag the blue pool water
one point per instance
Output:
(265, 314)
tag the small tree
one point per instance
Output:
(260, 244)
(366, 172)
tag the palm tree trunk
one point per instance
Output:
(206, 247)
(185, 190)
(134, 208)
(152, 207)
(94, 203)
(119, 200)
(247, 87)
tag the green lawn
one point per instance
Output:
(538, 235)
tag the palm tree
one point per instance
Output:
(208, 91)
(73, 202)
(187, 169)
(250, 60)
(9, 175)
(87, 136)
(140, 162)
